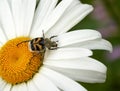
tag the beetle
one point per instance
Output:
(40, 44)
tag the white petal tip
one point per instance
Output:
(109, 48)
(89, 7)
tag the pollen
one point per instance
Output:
(17, 63)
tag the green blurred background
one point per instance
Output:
(106, 19)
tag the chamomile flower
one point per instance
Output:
(56, 70)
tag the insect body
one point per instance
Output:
(40, 44)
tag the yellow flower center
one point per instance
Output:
(17, 63)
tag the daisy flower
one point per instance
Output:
(56, 70)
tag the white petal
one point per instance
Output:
(19, 87)
(73, 15)
(15, 87)
(94, 44)
(77, 37)
(44, 9)
(44, 84)
(84, 69)
(7, 87)
(1, 44)
(3, 37)
(23, 87)
(2, 84)
(61, 81)
(23, 12)
(6, 20)
(57, 13)
(31, 86)
(67, 53)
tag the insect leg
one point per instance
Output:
(43, 34)
(53, 36)
(53, 48)
(57, 41)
